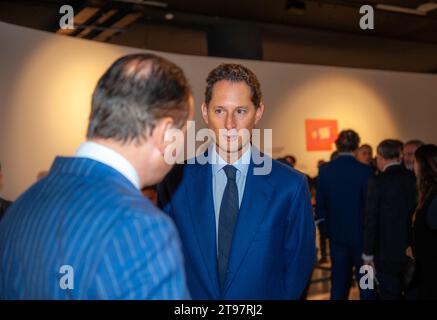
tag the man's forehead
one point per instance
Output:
(410, 147)
(228, 89)
(225, 85)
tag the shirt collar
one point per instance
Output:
(346, 154)
(241, 164)
(110, 158)
(390, 165)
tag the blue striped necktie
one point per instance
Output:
(228, 216)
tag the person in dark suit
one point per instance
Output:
(4, 204)
(322, 237)
(247, 233)
(424, 241)
(85, 231)
(340, 202)
(391, 201)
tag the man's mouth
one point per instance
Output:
(231, 135)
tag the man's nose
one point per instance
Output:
(230, 122)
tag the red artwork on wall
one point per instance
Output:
(320, 134)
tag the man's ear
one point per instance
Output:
(259, 113)
(159, 133)
(205, 112)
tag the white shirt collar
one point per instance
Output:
(390, 165)
(346, 154)
(110, 158)
(241, 164)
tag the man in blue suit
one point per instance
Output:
(85, 231)
(340, 202)
(247, 233)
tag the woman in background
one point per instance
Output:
(424, 245)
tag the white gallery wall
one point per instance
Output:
(46, 82)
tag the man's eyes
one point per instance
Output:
(238, 111)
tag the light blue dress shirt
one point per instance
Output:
(219, 179)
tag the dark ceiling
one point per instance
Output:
(322, 32)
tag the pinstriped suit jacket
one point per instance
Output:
(87, 215)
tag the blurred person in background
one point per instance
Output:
(340, 202)
(288, 160)
(322, 237)
(365, 154)
(424, 240)
(391, 201)
(410, 148)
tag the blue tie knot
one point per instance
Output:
(230, 171)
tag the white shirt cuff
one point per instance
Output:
(367, 258)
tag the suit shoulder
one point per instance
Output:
(364, 170)
(141, 212)
(286, 174)
(409, 177)
(137, 204)
(126, 203)
(410, 174)
(328, 169)
(326, 166)
(363, 167)
(131, 212)
(400, 173)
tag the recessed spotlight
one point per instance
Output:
(169, 16)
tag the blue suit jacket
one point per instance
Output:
(341, 199)
(86, 215)
(273, 248)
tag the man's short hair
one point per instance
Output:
(415, 142)
(347, 141)
(390, 149)
(134, 93)
(234, 73)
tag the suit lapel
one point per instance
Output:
(257, 194)
(201, 201)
